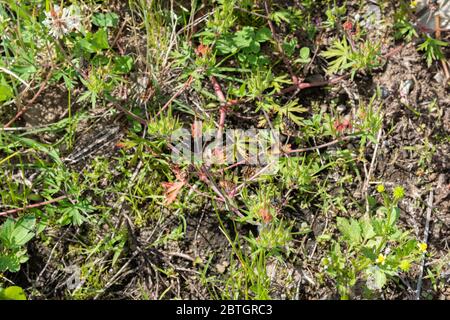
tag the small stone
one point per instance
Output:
(221, 267)
(439, 77)
(406, 88)
(384, 93)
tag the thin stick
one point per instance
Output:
(15, 76)
(306, 85)
(437, 22)
(131, 114)
(35, 205)
(425, 240)
(180, 91)
(279, 47)
(125, 21)
(372, 165)
(223, 102)
(331, 143)
(253, 13)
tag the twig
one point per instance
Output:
(180, 91)
(252, 13)
(393, 51)
(425, 240)
(119, 32)
(257, 174)
(181, 255)
(372, 165)
(12, 74)
(287, 152)
(35, 205)
(331, 143)
(223, 107)
(131, 114)
(306, 85)
(222, 195)
(279, 47)
(50, 257)
(437, 22)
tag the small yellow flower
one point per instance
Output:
(381, 259)
(423, 247)
(399, 192)
(413, 4)
(405, 265)
(380, 188)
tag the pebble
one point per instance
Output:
(439, 77)
(406, 88)
(384, 92)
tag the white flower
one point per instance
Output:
(62, 20)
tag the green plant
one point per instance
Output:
(344, 57)
(14, 235)
(245, 43)
(334, 13)
(373, 248)
(12, 293)
(405, 29)
(432, 48)
(290, 110)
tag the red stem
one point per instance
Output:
(223, 102)
(35, 205)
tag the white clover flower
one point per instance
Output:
(61, 21)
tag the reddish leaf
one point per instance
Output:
(348, 26)
(265, 214)
(202, 50)
(171, 190)
(342, 125)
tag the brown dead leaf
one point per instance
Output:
(265, 214)
(171, 191)
(202, 50)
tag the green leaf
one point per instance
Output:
(9, 263)
(393, 217)
(75, 213)
(86, 45)
(6, 231)
(6, 92)
(109, 19)
(226, 45)
(350, 229)
(376, 278)
(93, 43)
(12, 293)
(123, 64)
(263, 34)
(254, 47)
(38, 146)
(24, 230)
(367, 228)
(243, 38)
(304, 53)
(341, 52)
(377, 226)
(289, 47)
(100, 39)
